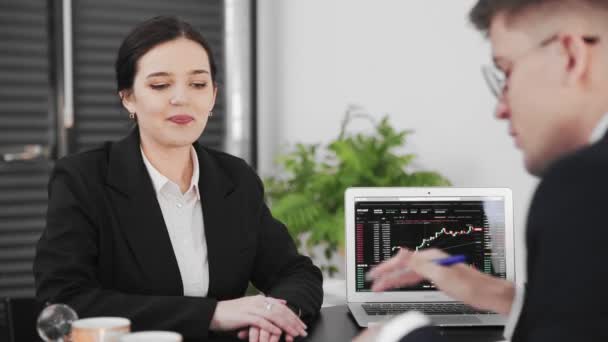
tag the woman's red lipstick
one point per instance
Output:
(181, 119)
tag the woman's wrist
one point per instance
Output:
(215, 324)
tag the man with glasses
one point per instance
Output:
(550, 77)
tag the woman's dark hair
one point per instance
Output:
(147, 35)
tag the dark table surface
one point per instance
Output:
(337, 324)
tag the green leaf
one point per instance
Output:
(308, 193)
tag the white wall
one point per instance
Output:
(418, 61)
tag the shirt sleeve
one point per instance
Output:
(518, 303)
(400, 326)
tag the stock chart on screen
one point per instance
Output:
(473, 227)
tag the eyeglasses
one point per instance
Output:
(496, 78)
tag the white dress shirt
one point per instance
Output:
(600, 130)
(403, 325)
(183, 217)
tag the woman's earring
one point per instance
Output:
(131, 116)
(210, 113)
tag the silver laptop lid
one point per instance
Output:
(476, 222)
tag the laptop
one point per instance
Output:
(475, 222)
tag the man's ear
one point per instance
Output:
(577, 58)
(128, 100)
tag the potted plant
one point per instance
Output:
(308, 194)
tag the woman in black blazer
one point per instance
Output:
(108, 248)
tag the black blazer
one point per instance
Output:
(106, 251)
(567, 237)
(566, 295)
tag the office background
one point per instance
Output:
(288, 70)
(418, 61)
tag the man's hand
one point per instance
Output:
(390, 274)
(460, 281)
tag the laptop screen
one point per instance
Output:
(472, 226)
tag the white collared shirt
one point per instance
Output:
(183, 217)
(600, 130)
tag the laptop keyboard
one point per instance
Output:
(427, 308)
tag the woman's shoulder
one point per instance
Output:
(224, 158)
(234, 167)
(88, 162)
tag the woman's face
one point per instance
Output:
(172, 93)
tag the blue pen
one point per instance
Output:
(447, 261)
(451, 260)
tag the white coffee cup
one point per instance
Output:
(152, 336)
(100, 329)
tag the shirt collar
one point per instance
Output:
(159, 180)
(195, 173)
(600, 130)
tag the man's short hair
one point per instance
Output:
(484, 11)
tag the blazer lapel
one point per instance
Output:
(221, 223)
(140, 216)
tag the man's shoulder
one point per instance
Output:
(572, 190)
(587, 166)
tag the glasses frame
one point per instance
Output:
(496, 79)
